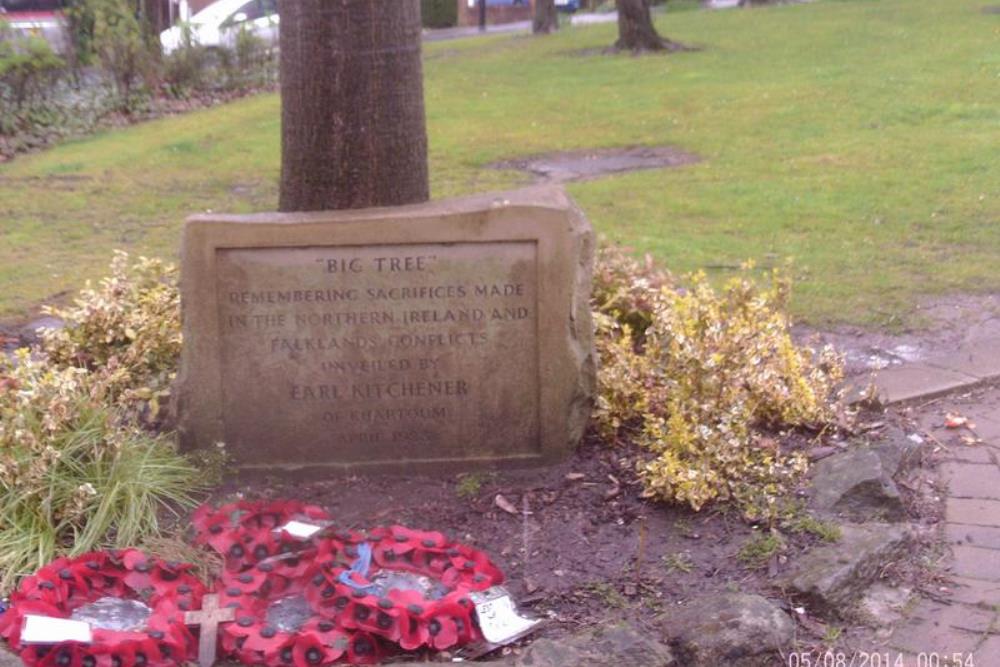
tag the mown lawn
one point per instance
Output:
(859, 138)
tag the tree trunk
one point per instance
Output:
(635, 29)
(352, 105)
(546, 18)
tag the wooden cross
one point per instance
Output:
(208, 618)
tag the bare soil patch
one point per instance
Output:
(581, 546)
(583, 165)
(580, 549)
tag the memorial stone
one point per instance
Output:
(454, 334)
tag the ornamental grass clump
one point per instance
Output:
(127, 330)
(703, 383)
(75, 473)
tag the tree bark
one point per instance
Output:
(635, 29)
(546, 18)
(353, 133)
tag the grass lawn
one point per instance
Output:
(861, 138)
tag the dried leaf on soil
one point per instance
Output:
(505, 504)
(953, 420)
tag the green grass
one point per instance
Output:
(858, 138)
(757, 552)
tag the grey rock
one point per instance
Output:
(832, 578)
(856, 484)
(896, 451)
(597, 647)
(31, 333)
(8, 659)
(732, 629)
(883, 605)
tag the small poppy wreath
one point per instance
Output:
(439, 617)
(318, 641)
(244, 532)
(62, 586)
(253, 639)
(351, 612)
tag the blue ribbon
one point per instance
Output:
(360, 566)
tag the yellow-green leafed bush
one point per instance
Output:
(127, 329)
(625, 289)
(74, 476)
(708, 371)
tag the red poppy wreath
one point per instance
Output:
(134, 604)
(340, 595)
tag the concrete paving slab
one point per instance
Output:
(976, 563)
(925, 637)
(988, 430)
(919, 381)
(972, 511)
(972, 454)
(974, 592)
(971, 480)
(987, 537)
(980, 359)
(959, 616)
(987, 653)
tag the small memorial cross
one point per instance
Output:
(208, 618)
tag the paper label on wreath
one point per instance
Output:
(300, 529)
(499, 619)
(48, 630)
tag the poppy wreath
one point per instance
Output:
(245, 533)
(440, 617)
(263, 565)
(65, 584)
(336, 572)
(252, 639)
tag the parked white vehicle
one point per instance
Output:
(218, 24)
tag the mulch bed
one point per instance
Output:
(581, 546)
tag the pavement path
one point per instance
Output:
(458, 32)
(961, 626)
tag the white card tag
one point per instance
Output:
(498, 617)
(300, 529)
(48, 630)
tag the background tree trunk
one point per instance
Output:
(546, 18)
(636, 31)
(352, 105)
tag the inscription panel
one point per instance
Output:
(379, 352)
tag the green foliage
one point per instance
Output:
(28, 65)
(80, 29)
(253, 63)
(757, 552)
(121, 47)
(678, 562)
(604, 591)
(75, 474)
(469, 485)
(625, 288)
(799, 520)
(186, 68)
(127, 330)
(439, 13)
(698, 382)
(249, 65)
(77, 469)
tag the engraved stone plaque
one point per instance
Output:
(451, 334)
